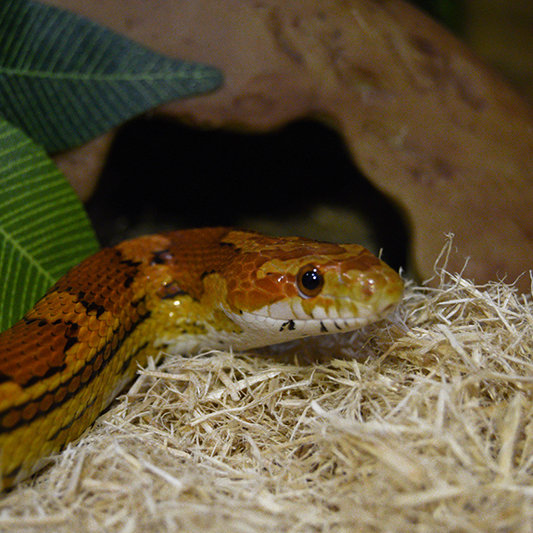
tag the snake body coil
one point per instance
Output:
(178, 292)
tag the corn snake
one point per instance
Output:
(178, 292)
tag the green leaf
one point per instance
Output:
(43, 226)
(65, 80)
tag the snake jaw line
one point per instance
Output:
(264, 330)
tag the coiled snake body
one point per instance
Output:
(179, 292)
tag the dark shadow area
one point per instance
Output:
(451, 13)
(162, 175)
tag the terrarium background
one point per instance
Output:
(300, 180)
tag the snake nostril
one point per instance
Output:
(368, 287)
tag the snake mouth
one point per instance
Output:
(258, 329)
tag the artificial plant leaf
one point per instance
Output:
(65, 80)
(43, 227)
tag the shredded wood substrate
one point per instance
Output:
(420, 423)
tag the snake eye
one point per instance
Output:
(309, 281)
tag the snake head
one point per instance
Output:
(294, 288)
